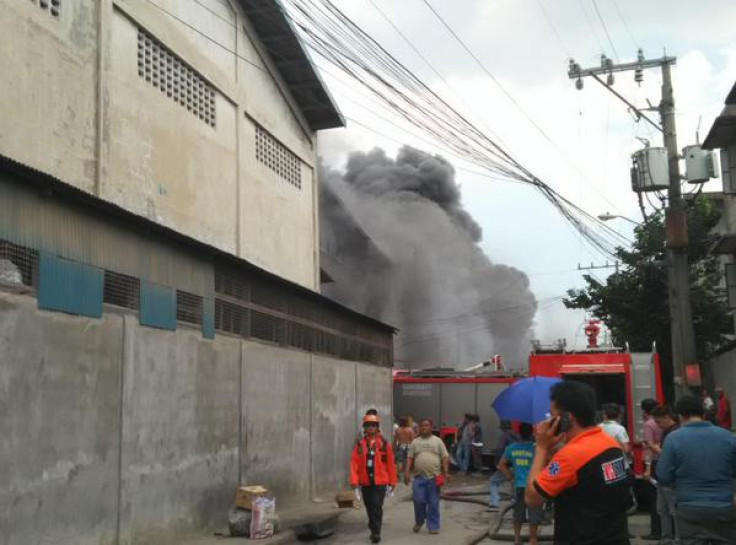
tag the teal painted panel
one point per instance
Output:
(158, 306)
(208, 318)
(69, 286)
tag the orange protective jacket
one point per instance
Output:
(384, 469)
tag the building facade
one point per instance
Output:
(162, 338)
(721, 370)
(200, 115)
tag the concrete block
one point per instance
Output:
(375, 390)
(334, 423)
(59, 432)
(180, 430)
(276, 419)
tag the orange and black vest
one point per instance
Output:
(384, 465)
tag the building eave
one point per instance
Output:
(275, 31)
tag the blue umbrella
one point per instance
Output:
(526, 400)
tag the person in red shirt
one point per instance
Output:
(373, 468)
(723, 416)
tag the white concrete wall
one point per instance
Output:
(120, 138)
(48, 87)
(113, 433)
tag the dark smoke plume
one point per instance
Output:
(400, 247)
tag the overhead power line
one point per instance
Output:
(605, 29)
(334, 37)
(554, 28)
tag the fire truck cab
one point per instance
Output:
(617, 376)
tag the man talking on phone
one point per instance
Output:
(586, 478)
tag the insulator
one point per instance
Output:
(579, 84)
(610, 79)
(638, 75)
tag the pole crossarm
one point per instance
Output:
(576, 72)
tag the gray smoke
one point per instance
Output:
(401, 248)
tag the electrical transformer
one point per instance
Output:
(650, 170)
(700, 165)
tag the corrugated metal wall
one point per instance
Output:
(84, 259)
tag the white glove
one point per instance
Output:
(389, 491)
(358, 496)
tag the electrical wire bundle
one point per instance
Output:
(336, 39)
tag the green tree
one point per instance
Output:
(633, 302)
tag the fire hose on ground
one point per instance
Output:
(494, 530)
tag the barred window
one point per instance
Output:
(189, 307)
(174, 78)
(122, 290)
(53, 7)
(278, 157)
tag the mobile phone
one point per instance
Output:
(564, 423)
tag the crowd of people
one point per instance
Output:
(582, 467)
(585, 470)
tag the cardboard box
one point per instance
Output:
(345, 499)
(246, 494)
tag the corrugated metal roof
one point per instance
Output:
(723, 132)
(291, 59)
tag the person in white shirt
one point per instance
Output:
(612, 427)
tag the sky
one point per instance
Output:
(589, 135)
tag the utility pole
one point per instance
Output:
(681, 321)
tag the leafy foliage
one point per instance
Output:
(633, 302)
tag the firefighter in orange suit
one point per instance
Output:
(373, 469)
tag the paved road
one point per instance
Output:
(460, 523)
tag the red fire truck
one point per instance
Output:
(445, 395)
(617, 375)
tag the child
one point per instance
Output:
(515, 465)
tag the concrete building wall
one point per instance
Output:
(180, 431)
(277, 430)
(48, 89)
(59, 425)
(77, 108)
(335, 422)
(114, 433)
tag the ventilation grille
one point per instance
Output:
(189, 307)
(122, 290)
(170, 75)
(278, 157)
(51, 6)
(252, 307)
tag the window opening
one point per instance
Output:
(278, 157)
(173, 77)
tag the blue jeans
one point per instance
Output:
(666, 510)
(463, 456)
(497, 479)
(426, 502)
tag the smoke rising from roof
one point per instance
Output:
(401, 248)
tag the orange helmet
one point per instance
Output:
(371, 418)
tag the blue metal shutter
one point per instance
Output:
(69, 286)
(158, 306)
